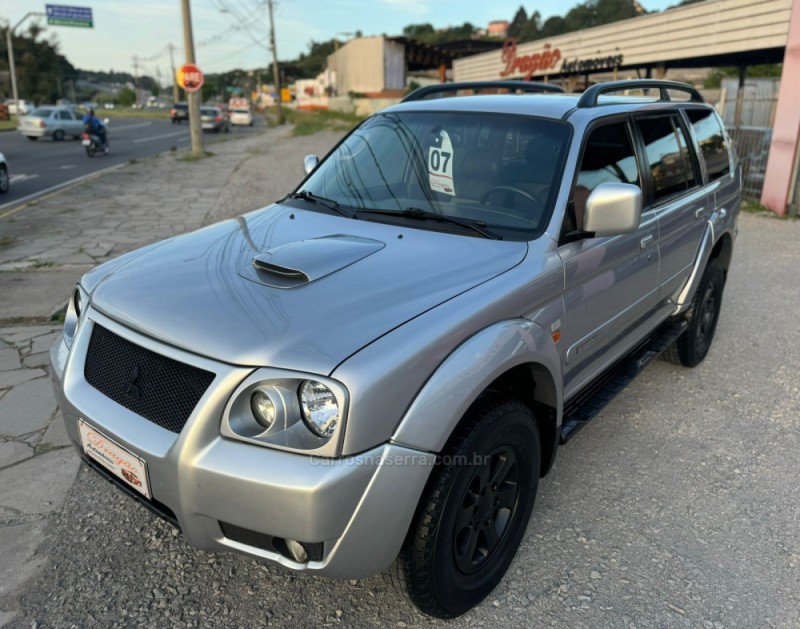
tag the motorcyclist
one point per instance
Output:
(93, 125)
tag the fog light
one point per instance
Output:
(297, 551)
(263, 408)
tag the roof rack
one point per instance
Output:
(518, 86)
(590, 96)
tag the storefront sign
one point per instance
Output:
(528, 65)
(591, 65)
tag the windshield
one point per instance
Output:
(501, 171)
(41, 113)
(208, 111)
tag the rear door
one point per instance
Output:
(611, 283)
(674, 191)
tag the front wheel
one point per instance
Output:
(692, 346)
(474, 511)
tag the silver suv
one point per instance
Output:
(385, 362)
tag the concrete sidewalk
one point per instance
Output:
(44, 249)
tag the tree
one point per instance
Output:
(41, 69)
(518, 23)
(126, 97)
(418, 31)
(532, 28)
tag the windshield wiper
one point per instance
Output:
(427, 215)
(330, 204)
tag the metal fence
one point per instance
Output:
(749, 118)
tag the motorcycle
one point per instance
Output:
(92, 142)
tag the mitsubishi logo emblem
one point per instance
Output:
(134, 389)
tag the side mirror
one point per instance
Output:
(612, 209)
(310, 163)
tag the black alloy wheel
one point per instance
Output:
(475, 508)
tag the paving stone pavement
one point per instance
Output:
(46, 247)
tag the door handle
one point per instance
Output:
(646, 241)
(699, 212)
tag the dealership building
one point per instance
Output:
(714, 33)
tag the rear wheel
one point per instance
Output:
(692, 346)
(32, 138)
(474, 511)
(58, 135)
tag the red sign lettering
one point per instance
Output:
(528, 64)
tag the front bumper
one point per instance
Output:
(357, 509)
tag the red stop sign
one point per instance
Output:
(189, 77)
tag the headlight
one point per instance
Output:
(288, 410)
(320, 408)
(75, 309)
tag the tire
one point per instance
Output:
(453, 556)
(4, 181)
(58, 135)
(692, 346)
(32, 138)
(90, 151)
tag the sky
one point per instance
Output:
(144, 28)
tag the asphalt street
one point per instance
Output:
(42, 166)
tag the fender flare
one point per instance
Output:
(444, 399)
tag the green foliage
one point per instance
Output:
(41, 70)
(770, 70)
(126, 97)
(585, 15)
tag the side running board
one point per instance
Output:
(588, 403)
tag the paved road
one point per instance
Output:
(38, 167)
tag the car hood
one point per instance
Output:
(294, 289)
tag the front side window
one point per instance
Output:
(607, 157)
(711, 138)
(667, 161)
(500, 171)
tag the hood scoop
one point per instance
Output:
(299, 263)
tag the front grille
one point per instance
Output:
(158, 388)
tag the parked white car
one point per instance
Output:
(242, 117)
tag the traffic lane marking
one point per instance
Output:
(159, 137)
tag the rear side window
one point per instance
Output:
(666, 155)
(711, 138)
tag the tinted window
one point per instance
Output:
(41, 112)
(607, 157)
(65, 115)
(665, 159)
(499, 169)
(711, 139)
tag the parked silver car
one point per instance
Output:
(386, 361)
(214, 119)
(55, 122)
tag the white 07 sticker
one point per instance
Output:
(440, 165)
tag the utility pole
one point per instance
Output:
(174, 80)
(136, 80)
(275, 74)
(193, 98)
(12, 70)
